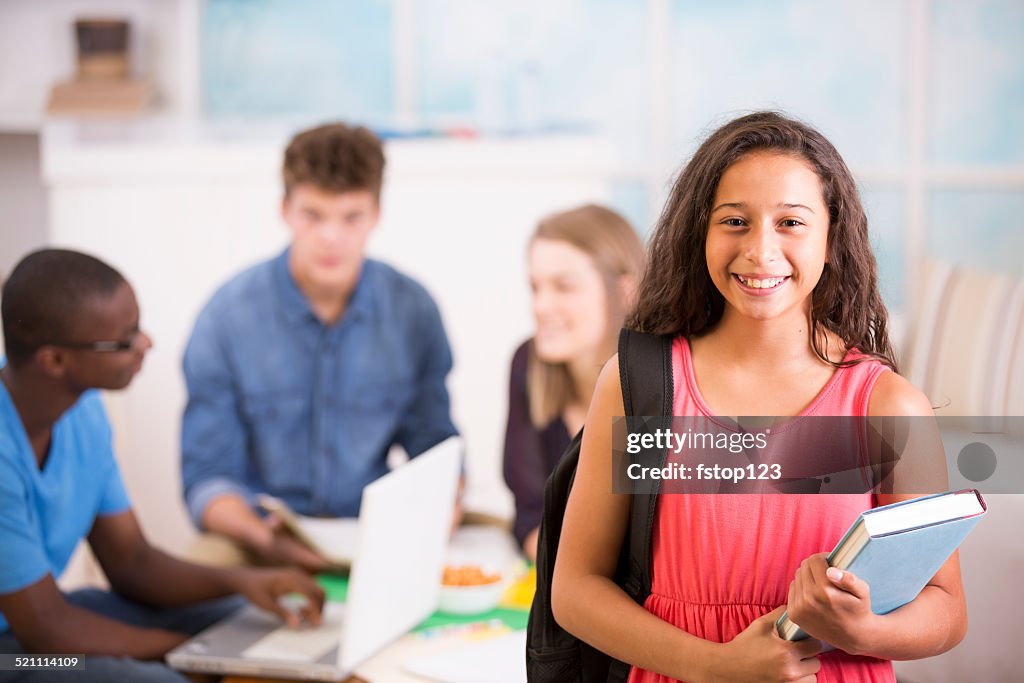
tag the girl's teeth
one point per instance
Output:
(762, 284)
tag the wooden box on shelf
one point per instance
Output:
(102, 84)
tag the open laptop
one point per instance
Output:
(404, 523)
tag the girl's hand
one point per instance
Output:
(831, 604)
(759, 655)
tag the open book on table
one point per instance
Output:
(333, 539)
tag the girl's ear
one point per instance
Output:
(627, 286)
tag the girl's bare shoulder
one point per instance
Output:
(608, 391)
(894, 395)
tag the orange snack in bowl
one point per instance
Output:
(468, 575)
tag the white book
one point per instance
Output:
(333, 539)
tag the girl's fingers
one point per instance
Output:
(768, 620)
(848, 582)
(800, 585)
(811, 566)
(773, 616)
(808, 648)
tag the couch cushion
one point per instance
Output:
(966, 346)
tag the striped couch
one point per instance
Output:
(966, 347)
(966, 351)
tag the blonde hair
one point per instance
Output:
(616, 251)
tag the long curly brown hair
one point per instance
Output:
(677, 296)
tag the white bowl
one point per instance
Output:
(471, 599)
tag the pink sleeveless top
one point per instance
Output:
(722, 560)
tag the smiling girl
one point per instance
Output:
(761, 271)
(584, 268)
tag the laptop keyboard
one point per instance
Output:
(301, 644)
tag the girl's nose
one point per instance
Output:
(541, 302)
(761, 244)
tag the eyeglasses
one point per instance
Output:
(104, 346)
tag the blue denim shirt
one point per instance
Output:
(282, 404)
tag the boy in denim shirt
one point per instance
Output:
(304, 370)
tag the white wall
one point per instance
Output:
(23, 215)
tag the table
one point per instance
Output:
(386, 665)
(439, 632)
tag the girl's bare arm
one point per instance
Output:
(936, 620)
(836, 607)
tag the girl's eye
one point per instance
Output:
(733, 222)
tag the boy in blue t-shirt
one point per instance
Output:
(71, 325)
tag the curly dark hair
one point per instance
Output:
(335, 158)
(677, 295)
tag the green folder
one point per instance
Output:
(336, 588)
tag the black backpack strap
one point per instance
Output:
(645, 372)
(553, 654)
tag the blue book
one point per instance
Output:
(898, 548)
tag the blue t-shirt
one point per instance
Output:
(280, 403)
(45, 513)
